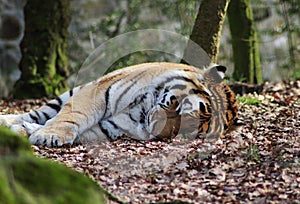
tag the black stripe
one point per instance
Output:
(107, 94)
(184, 95)
(105, 132)
(227, 116)
(60, 102)
(164, 98)
(158, 89)
(228, 93)
(34, 118)
(185, 79)
(113, 124)
(142, 116)
(198, 91)
(131, 117)
(54, 106)
(234, 113)
(172, 98)
(213, 119)
(225, 127)
(167, 89)
(137, 77)
(216, 126)
(139, 99)
(229, 96)
(209, 126)
(46, 116)
(71, 93)
(218, 99)
(106, 102)
(179, 86)
(37, 114)
(202, 107)
(208, 105)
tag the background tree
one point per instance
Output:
(44, 63)
(290, 11)
(244, 42)
(207, 29)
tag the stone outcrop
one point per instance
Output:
(27, 179)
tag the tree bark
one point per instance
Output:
(44, 63)
(246, 56)
(207, 31)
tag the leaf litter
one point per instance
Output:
(259, 162)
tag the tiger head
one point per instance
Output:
(205, 107)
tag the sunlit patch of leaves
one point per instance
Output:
(248, 100)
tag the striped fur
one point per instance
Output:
(146, 101)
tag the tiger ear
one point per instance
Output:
(216, 72)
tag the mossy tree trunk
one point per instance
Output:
(207, 28)
(246, 56)
(44, 63)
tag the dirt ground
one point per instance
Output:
(259, 162)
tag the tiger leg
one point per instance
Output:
(113, 128)
(29, 122)
(103, 131)
(80, 113)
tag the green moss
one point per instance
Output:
(11, 143)
(27, 179)
(248, 100)
(43, 181)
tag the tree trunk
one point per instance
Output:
(207, 31)
(44, 63)
(244, 42)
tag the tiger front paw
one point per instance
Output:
(51, 138)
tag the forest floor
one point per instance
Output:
(259, 162)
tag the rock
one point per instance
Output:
(27, 179)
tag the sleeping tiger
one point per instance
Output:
(144, 102)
